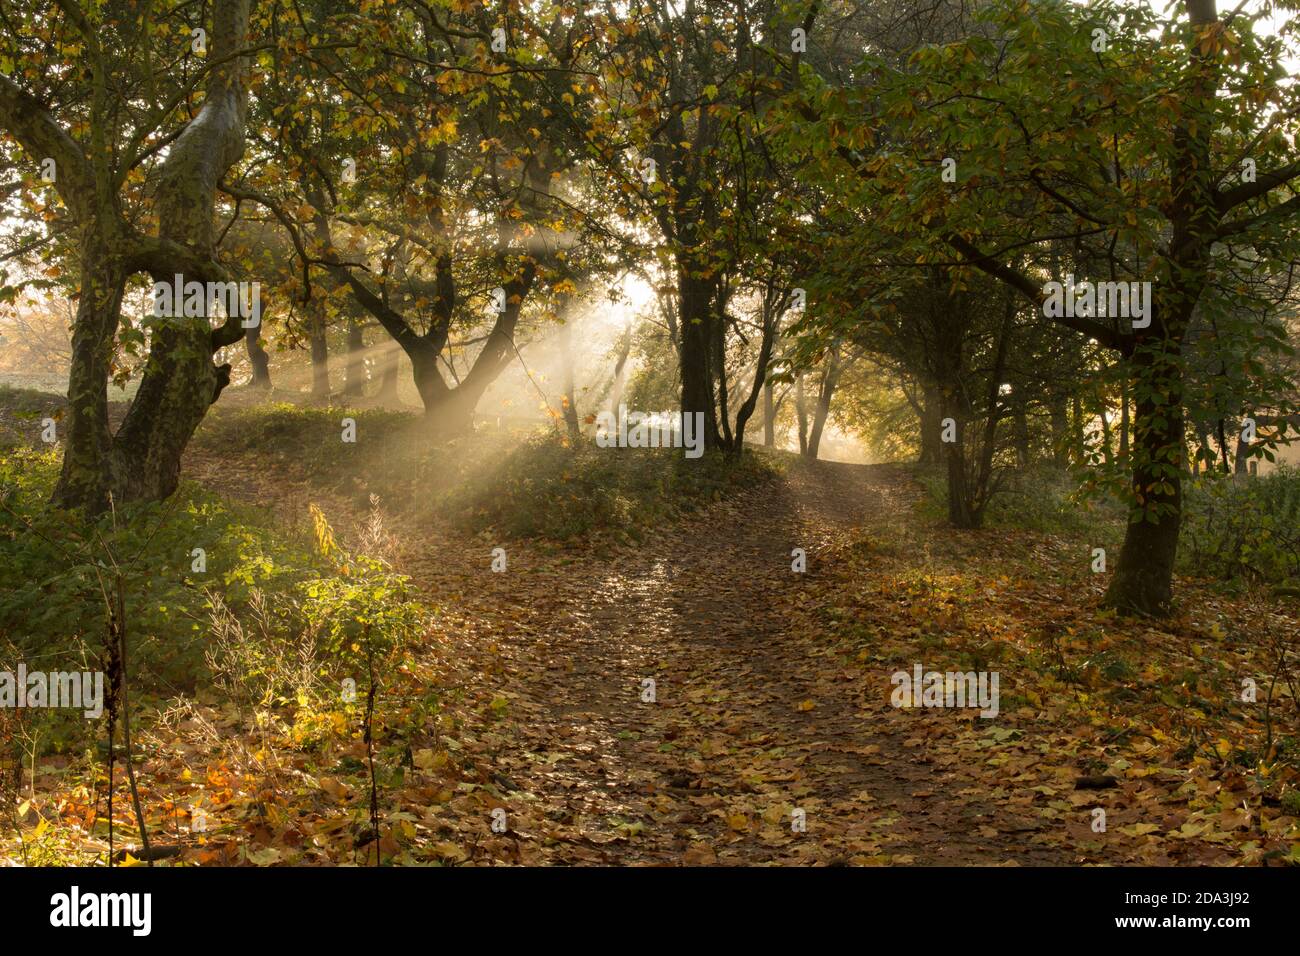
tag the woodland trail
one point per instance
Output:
(753, 715)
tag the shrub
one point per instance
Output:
(1041, 498)
(1243, 527)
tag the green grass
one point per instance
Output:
(548, 489)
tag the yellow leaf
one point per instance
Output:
(450, 851)
(263, 857)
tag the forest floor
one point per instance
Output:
(693, 699)
(754, 715)
(772, 694)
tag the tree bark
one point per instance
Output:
(801, 413)
(85, 480)
(931, 426)
(1143, 581)
(695, 296)
(830, 378)
(320, 358)
(258, 357)
(354, 372)
(769, 416)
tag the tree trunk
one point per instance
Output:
(620, 373)
(1107, 453)
(1143, 581)
(1241, 458)
(450, 411)
(354, 372)
(1077, 430)
(931, 426)
(759, 385)
(695, 296)
(86, 479)
(258, 357)
(1059, 420)
(1020, 432)
(1202, 446)
(388, 381)
(718, 355)
(960, 514)
(801, 413)
(320, 360)
(429, 382)
(829, 380)
(1123, 420)
(180, 380)
(769, 416)
(570, 399)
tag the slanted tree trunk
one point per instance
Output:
(830, 378)
(453, 411)
(450, 410)
(86, 479)
(769, 416)
(620, 370)
(760, 383)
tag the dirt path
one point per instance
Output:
(753, 718)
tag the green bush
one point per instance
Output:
(1243, 527)
(54, 569)
(1041, 498)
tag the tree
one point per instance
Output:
(103, 135)
(1124, 155)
